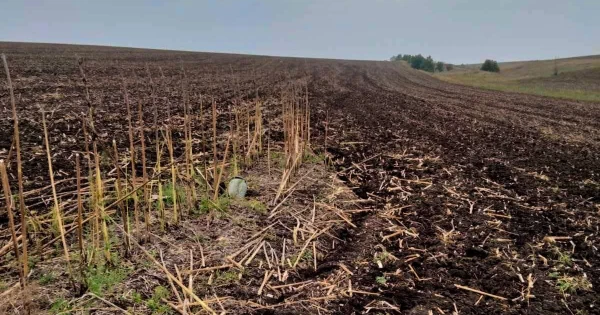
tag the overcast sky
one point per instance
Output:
(457, 31)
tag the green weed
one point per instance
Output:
(307, 257)
(207, 205)
(381, 280)
(573, 284)
(563, 258)
(102, 279)
(59, 305)
(226, 277)
(257, 206)
(383, 257)
(313, 158)
(168, 190)
(277, 159)
(47, 278)
(32, 261)
(570, 284)
(136, 297)
(155, 303)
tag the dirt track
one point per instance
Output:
(471, 180)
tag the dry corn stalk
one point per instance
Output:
(79, 210)
(99, 206)
(57, 212)
(17, 141)
(218, 178)
(173, 176)
(120, 205)
(295, 138)
(11, 222)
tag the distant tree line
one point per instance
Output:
(423, 63)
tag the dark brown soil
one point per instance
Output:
(469, 183)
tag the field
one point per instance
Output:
(373, 188)
(578, 78)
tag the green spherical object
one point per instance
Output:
(237, 187)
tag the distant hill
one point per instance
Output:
(578, 77)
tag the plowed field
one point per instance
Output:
(465, 200)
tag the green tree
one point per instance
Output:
(490, 66)
(428, 64)
(417, 62)
(439, 66)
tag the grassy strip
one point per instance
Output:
(497, 83)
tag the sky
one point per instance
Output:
(454, 31)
